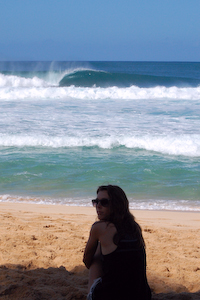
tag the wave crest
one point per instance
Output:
(90, 78)
(81, 77)
(186, 145)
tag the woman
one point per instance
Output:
(115, 252)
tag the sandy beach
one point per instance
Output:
(41, 249)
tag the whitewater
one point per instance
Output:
(15, 87)
(66, 128)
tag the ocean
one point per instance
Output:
(68, 127)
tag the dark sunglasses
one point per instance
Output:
(104, 202)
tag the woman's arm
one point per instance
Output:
(91, 245)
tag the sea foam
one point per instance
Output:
(20, 88)
(131, 93)
(150, 204)
(16, 81)
(186, 145)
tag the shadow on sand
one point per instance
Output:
(18, 282)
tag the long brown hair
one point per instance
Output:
(120, 215)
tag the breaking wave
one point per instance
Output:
(186, 145)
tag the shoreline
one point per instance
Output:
(154, 216)
(42, 247)
(90, 206)
(134, 204)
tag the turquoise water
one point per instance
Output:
(64, 132)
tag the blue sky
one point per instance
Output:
(142, 30)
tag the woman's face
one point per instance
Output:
(103, 212)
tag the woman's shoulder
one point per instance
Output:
(102, 225)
